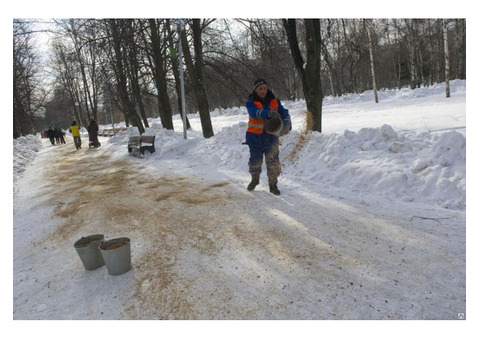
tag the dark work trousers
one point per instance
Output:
(271, 152)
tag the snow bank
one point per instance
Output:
(24, 151)
(399, 165)
(404, 94)
(413, 164)
(404, 165)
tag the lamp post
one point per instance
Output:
(179, 25)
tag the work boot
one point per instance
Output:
(255, 181)
(273, 188)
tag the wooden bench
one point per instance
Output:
(141, 145)
(111, 132)
(105, 132)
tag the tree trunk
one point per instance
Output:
(447, 59)
(134, 70)
(196, 76)
(129, 107)
(22, 122)
(81, 63)
(309, 72)
(413, 51)
(461, 47)
(160, 77)
(372, 63)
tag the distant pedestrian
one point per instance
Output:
(51, 135)
(75, 130)
(93, 133)
(62, 136)
(58, 134)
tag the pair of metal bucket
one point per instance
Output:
(95, 252)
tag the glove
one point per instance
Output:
(286, 129)
(272, 114)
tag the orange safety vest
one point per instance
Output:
(256, 125)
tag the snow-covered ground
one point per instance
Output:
(408, 147)
(371, 223)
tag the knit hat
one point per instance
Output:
(258, 82)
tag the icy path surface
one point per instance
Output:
(213, 250)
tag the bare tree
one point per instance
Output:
(460, 39)
(27, 98)
(156, 46)
(330, 51)
(78, 44)
(372, 62)
(133, 66)
(117, 27)
(195, 71)
(309, 70)
(77, 57)
(67, 78)
(447, 58)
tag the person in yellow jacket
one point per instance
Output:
(75, 130)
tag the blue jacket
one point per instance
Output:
(258, 111)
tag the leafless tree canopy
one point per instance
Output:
(116, 70)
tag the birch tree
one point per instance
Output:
(447, 58)
(372, 62)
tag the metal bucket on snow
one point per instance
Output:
(87, 249)
(116, 254)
